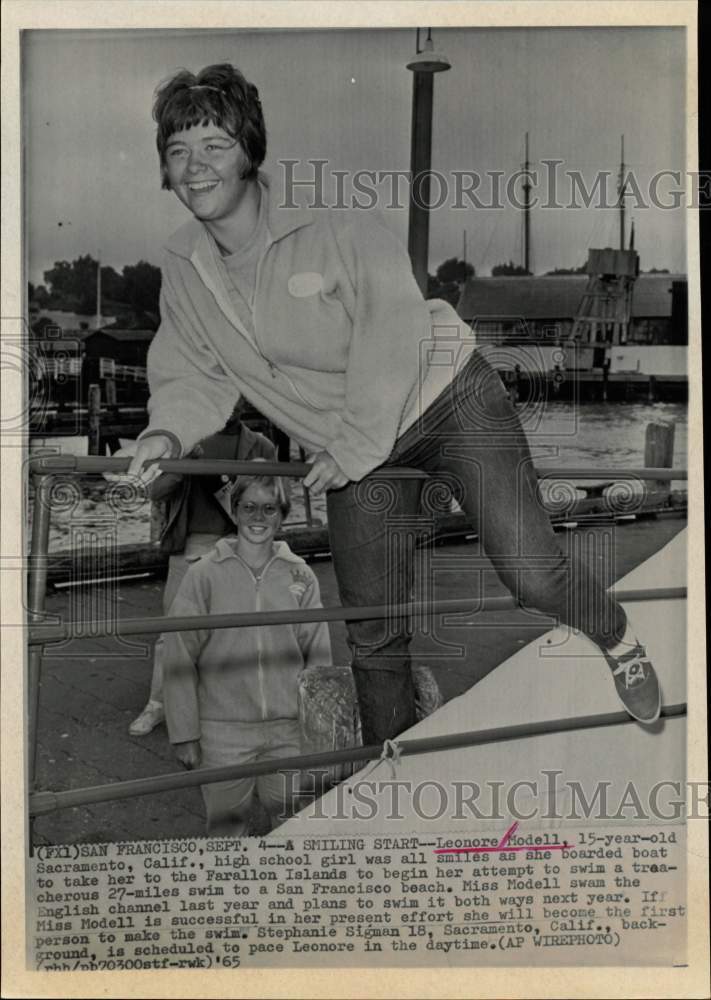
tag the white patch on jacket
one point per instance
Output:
(305, 283)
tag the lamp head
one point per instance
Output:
(429, 61)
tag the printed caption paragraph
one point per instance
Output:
(581, 897)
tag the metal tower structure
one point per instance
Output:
(603, 316)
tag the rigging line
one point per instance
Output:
(593, 230)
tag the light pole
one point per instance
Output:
(98, 291)
(424, 65)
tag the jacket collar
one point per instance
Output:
(225, 549)
(280, 222)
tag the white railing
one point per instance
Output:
(63, 367)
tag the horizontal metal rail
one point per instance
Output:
(614, 475)
(45, 802)
(40, 634)
(53, 464)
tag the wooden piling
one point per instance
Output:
(94, 419)
(110, 386)
(659, 451)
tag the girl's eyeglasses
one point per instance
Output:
(249, 509)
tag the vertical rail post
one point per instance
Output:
(110, 385)
(158, 520)
(37, 585)
(307, 496)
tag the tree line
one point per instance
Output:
(132, 296)
(449, 279)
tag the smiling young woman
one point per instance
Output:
(211, 141)
(315, 317)
(205, 168)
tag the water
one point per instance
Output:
(597, 434)
(562, 435)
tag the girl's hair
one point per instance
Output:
(273, 483)
(217, 95)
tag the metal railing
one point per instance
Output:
(42, 634)
(110, 368)
(47, 464)
(44, 802)
(39, 634)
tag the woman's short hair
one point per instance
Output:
(219, 95)
(273, 483)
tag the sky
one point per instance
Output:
(345, 96)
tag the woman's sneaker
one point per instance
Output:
(151, 716)
(636, 683)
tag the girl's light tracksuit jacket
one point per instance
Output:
(240, 674)
(345, 354)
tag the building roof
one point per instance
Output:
(127, 335)
(71, 321)
(555, 297)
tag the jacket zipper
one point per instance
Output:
(258, 607)
(254, 341)
(260, 671)
(272, 367)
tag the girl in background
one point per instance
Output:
(231, 694)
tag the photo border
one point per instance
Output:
(164, 15)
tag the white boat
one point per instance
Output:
(557, 676)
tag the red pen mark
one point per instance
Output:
(503, 845)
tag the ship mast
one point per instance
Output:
(98, 292)
(621, 192)
(526, 211)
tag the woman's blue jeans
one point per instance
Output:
(471, 439)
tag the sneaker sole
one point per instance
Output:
(649, 720)
(638, 718)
